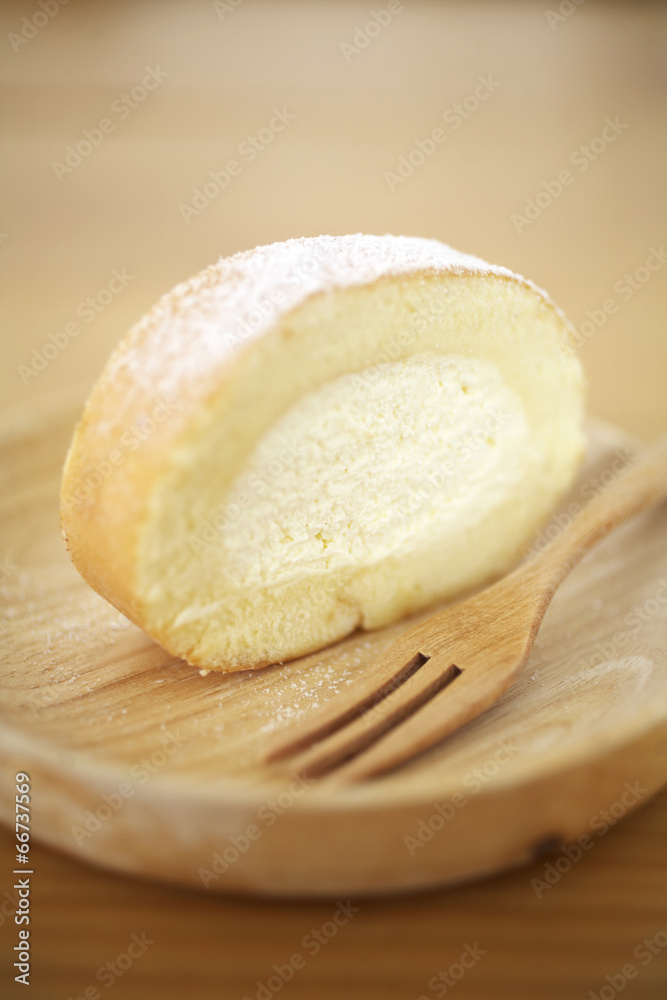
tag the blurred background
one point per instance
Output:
(361, 90)
(143, 140)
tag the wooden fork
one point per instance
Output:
(445, 671)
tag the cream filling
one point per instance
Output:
(399, 456)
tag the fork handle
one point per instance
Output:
(640, 487)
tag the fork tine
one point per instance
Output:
(446, 712)
(347, 741)
(386, 673)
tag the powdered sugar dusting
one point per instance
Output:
(202, 322)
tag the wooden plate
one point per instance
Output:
(139, 763)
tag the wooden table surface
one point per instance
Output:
(323, 107)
